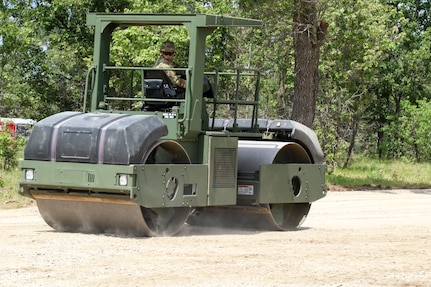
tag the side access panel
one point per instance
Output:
(212, 183)
(291, 183)
(284, 183)
(222, 159)
(171, 185)
(278, 172)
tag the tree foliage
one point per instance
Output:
(404, 74)
(360, 37)
(44, 46)
(15, 48)
(9, 149)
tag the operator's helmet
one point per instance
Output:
(168, 46)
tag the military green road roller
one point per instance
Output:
(145, 157)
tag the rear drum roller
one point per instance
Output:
(280, 216)
(287, 216)
(283, 216)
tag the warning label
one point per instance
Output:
(245, 189)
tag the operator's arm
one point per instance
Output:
(177, 81)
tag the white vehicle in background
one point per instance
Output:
(17, 126)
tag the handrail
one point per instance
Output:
(137, 88)
(238, 72)
(188, 76)
(92, 68)
(106, 67)
(142, 69)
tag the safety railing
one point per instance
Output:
(125, 86)
(238, 90)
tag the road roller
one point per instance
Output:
(146, 158)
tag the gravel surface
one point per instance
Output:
(364, 238)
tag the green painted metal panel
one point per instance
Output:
(77, 176)
(171, 185)
(285, 183)
(148, 185)
(198, 20)
(223, 163)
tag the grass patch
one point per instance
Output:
(367, 172)
(9, 196)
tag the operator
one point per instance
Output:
(167, 52)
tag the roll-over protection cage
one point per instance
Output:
(190, 119)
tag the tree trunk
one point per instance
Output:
(281, 94)
(308, 36)
(355, 126)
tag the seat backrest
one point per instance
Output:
(158, 86)
(159, 74)
(154, 88)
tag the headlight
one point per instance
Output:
(122, 179)
(29, 174)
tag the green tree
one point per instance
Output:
(360, 36)
(16, 46)
(272, 52)
(290, 46)
(50, 64)
(404, 73)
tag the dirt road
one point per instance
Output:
(378, 238)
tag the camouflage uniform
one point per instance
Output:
(163, 64)
(169, 47)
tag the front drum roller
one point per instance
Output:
(77, 213)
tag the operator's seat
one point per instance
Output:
(157, 85)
